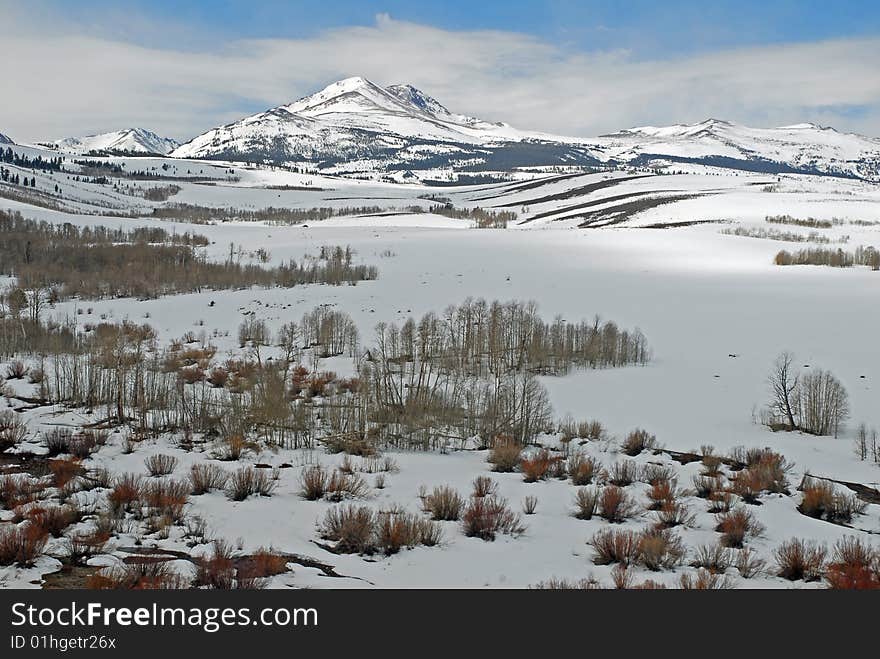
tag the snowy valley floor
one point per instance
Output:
(714, 308)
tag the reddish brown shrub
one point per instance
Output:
(21, 544)
(537, 466)
(126, 492)
(855, 565)
(615, 546)
(615, 505)
(585, 502)
(505, 455)
(351, 527)
(207, 477)
(624, 472)
(64, 471)
(660, 549)
(704, 580)
(485, 517)
(484, 486)
(736, 525)
(313, 483)
(582, 469)
(799, 559)
(444, 504)
(160, 464)
(637, 441)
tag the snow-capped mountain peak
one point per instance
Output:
(127, 140)
(356, 126)
(418, 99)
(5, 140)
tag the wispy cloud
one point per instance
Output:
(71, 82)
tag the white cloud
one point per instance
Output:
(68, 82)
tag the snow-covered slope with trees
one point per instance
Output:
(126, 141)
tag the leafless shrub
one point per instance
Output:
(530, 504)
(820, 500)
(484, 487)
(660, 549)
(206, 477)
(591, 430)
(704, 580)
(652, 473)
(662, 492)
(505, 455)
(637, 441)
(582, 469)
(855, 565)
(800, 559)
(749, 564)
(721, 502)
(444, 504)
(166, 498)
(346, 486)
(16, 370)
(736, 525)
(54, 519)
(624, 472)
(125, 493)
(21, 544)
(615, 546)
(565, 584)
(714, 558)
(674, 513)
(58, 441)
(247, 481)
(586, 500)
(313, 483)
(13, 430)
(711, 466)
(538, 465)
(83, 546)
(615, 505)
(706, 486)
(160, 464)
(217, 571)
(397, 529)
(485, 517)
(351, 527)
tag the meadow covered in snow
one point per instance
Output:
(708, 495)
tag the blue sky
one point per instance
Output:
(645, 27)
(562, 66)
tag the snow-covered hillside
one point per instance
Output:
(126, 141)
(5, 139)
(356, 126)
(356, 122)
(804, 147)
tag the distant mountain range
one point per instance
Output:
(355, 127)
(129, 141)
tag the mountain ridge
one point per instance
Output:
(129, 141)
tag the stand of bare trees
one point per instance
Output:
(424, 386)
(814, 402)
(835, 258)
(63, 261)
